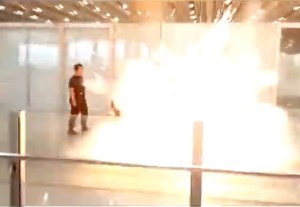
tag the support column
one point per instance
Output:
(196, 176)
(28, 70)
(62, 66)
(113, 75)
(17, 167)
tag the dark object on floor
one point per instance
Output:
(114, 109)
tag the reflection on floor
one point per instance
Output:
(74, 184)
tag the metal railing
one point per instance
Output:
(18, 156)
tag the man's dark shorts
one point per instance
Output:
(81, 108)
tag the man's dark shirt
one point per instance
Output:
(76, 82)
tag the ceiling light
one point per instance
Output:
(18, 12)
(22, 7)
(191, 5)
(192, 12)
(37, 10)
(227, 2)
(97, 9)
(59, 6)
(2, 8)
(73, 13)
(193, 17)
(107, 14)
(83, 3)
(296, 8)
(48, 21)
(139, 12)
(124, 6)
(66, 19)
(35, 17)
(115, 19)
(173, 12)
(281, 19)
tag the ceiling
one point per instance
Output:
(151, 10)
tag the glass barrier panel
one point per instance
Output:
(61, 183)
(4, 182)
(80, 184)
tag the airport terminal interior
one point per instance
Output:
(189, 102)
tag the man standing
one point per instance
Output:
(77, 100)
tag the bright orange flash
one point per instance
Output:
(216, 82)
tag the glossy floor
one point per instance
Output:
(79, 184)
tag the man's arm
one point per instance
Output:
(72, 93)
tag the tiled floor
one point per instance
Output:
(78, 184)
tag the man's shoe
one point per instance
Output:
(85, 129)
(72, 133)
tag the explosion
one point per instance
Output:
(220, 80)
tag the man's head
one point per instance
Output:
(78, 69)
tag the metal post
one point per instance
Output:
(17, 167)
(196, 176)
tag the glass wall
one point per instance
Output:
(42, 59)
(13, 78)
(13, 70)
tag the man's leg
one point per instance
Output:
(84, 116)
(72, 120)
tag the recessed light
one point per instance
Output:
(37, 10)
(97, 9)
(192, 12)
(107, 14)
(59, 6)
(227, 2)
(73, 13)
(193, 17)
(115, 19)
(66, 19)
(22, 7)
(296, 8)
(191, 5)
(281, 19)
(83, 3)
(124, 6)
(35, 17)
(19, 13)
(48, 21)
(2, 8)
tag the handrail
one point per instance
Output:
(191, 168)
